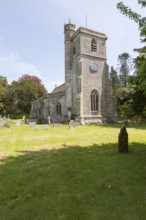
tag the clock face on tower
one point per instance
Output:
(93, 67)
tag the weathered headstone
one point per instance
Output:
(82, 121)
(46, 127)
(2, 123)
(36, 127)
(123, 140)
(18, 123)
(23, 117)
(32, 124)
(69, 114)
(72, 124)
(56, 125)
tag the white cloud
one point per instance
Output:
(12, 66)
(41, 38)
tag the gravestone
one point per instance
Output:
(2, 123)
(18, 123)
(46, 127)
(36, 127)
(23, 119)
(32, 124)
(72, 124)
(123, 140)
(82, 121)
(56, 125)
(69, 115)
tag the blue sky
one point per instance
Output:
(32, 34)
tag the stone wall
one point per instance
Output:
(46, 106)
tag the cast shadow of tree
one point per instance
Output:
(72, 182)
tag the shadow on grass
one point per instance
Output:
(75, 183)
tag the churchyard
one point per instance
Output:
(56, 172)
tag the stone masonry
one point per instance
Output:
(86, 94)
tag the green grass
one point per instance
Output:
(72, 174)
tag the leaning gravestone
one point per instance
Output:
(123, 140)
(72, 124)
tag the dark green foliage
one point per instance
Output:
(121, 90)
(125, 102)
(114, 79)
(24, 91)
(15, 99)
(3, 94)
(138, 81)
(124, 68)
(141, 21)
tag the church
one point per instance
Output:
(86, 96)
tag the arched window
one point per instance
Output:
(94, 100)
(58, 109)
(93, 45)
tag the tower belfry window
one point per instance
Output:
(93, 45)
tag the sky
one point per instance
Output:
(32, 34)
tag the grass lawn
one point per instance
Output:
(72, 174)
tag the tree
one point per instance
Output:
(125, 66)
(141, 21)
(115, 83)
(138, 80)
(114, 79)
(3, 94)
(30, 77)
(125, 102)
(121, 90)
(24, 91)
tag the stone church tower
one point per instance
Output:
(87, 86)
(86, 95)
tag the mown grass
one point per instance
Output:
(72, 174)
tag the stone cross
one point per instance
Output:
(123, 140)
(49, 121)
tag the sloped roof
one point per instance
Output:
(60, 88)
